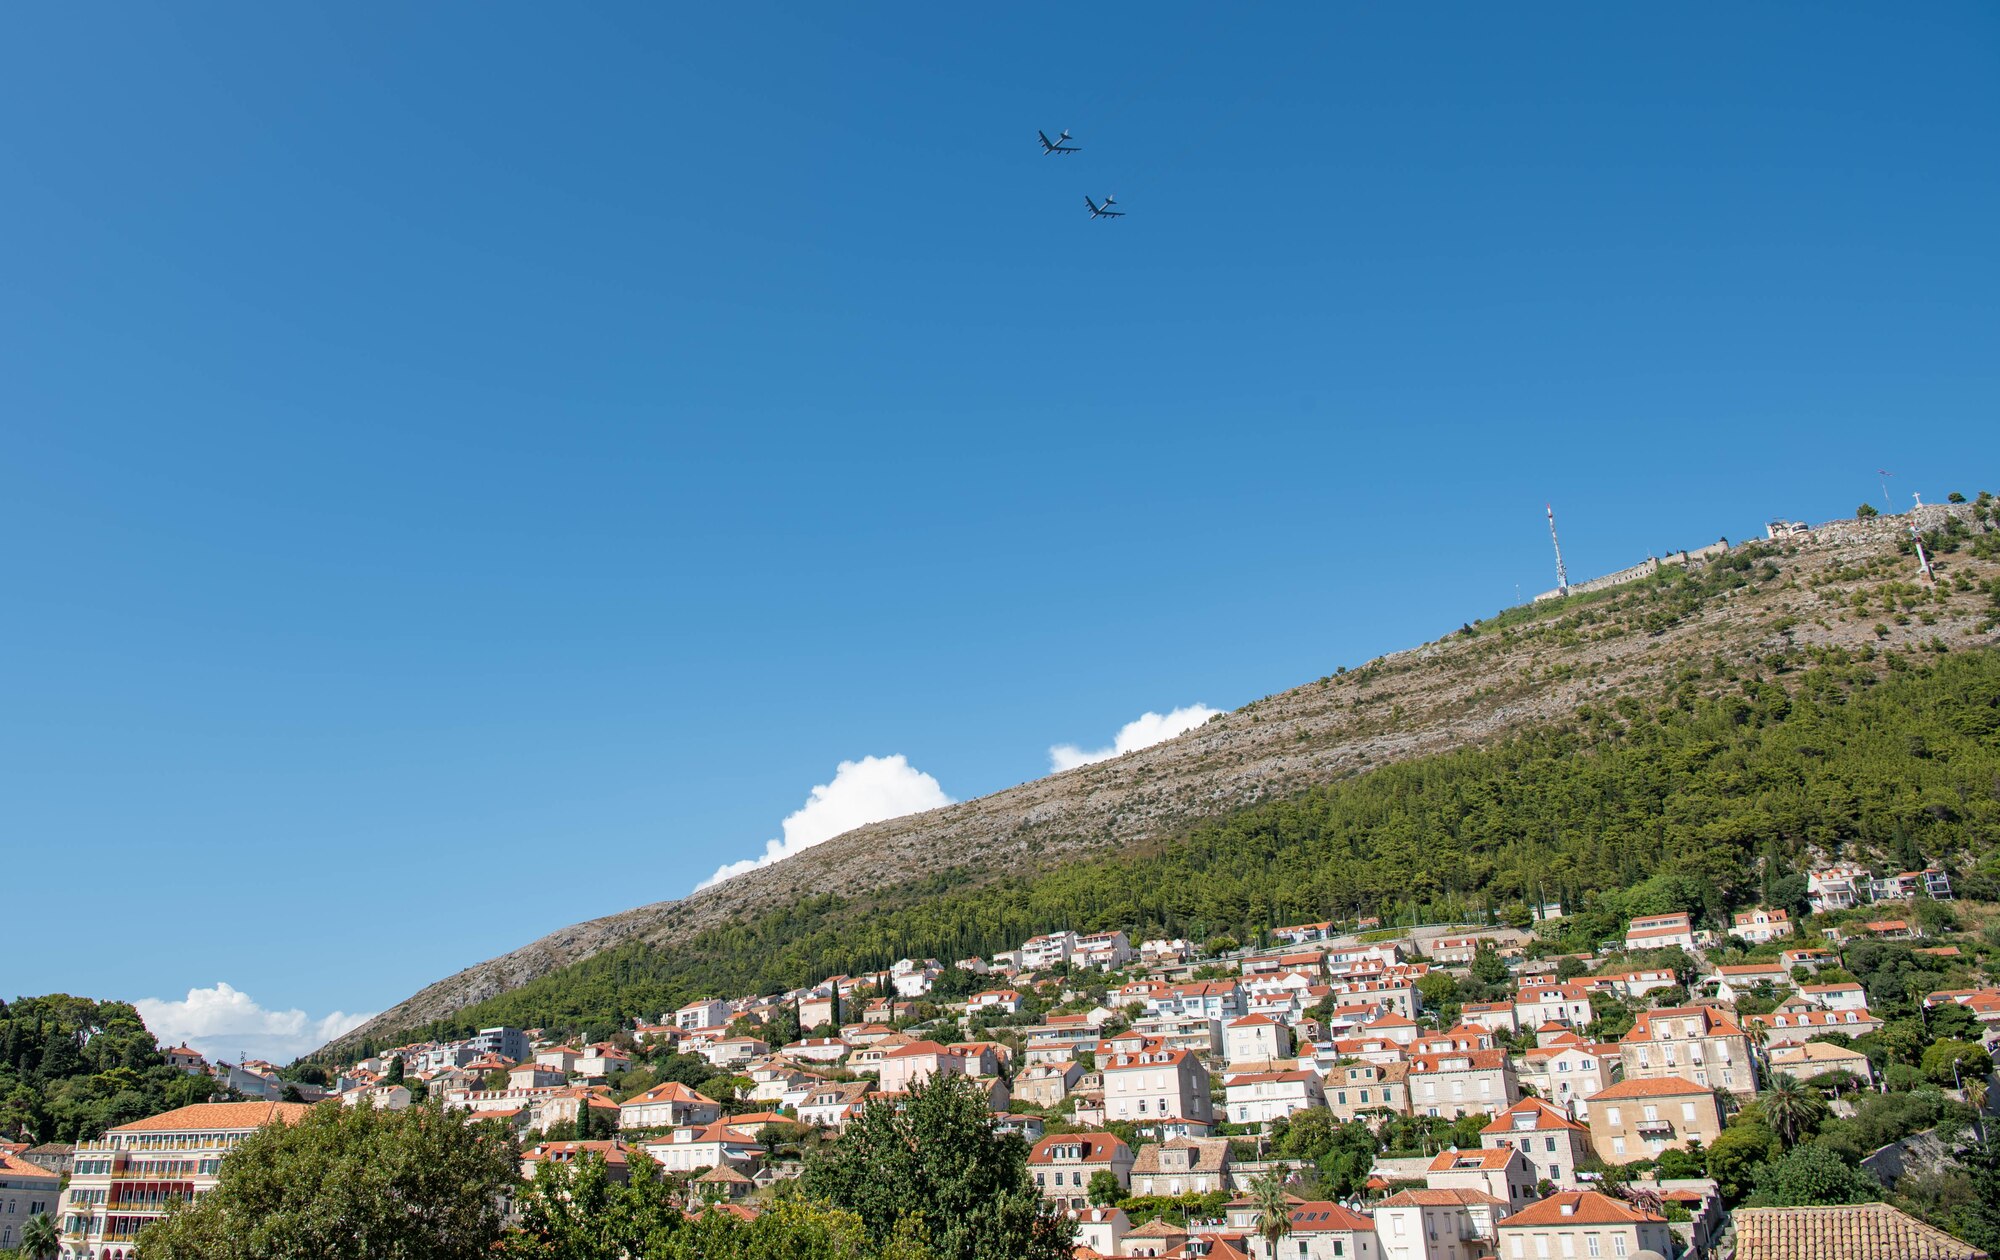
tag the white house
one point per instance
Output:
(1255, 1039)
(1261, 1097)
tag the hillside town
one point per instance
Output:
(1511, 1102)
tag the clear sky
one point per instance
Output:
(474, 467)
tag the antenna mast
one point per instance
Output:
(1562, 574)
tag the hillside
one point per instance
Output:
(1757, 616)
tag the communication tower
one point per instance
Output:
(1562, 574)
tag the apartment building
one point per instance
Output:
(127, 1180)
(1558, 1003)
(27, 1190)
(1553, 1143)
(1698, 1043)
(1261, 1097)
(1502, 1172)
(1656, 931)
(1063, 1166)
(1583, 1223)
(1761, 925)
(1569, 1070)
(667, 1106)
(1637, 1119)
(1455, 1224)
(1184, 1165)
(1461, 1082)
(1255, 1039)
(1153, 1084)
(1367, 1091)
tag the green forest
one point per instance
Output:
(71, 1068)
(1702, 796)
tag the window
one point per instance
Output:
(1617, 1244)
(1549, 1144)
(1687, 1112)
(1618, 1146)
(1590, 1245)
(1611, 1116)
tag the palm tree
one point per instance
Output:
(38, 1238)
(1274, 1207)
(1791, 1109)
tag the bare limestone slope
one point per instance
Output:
(1524, 667)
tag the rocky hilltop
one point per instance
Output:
(1849, 584)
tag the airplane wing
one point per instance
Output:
(1088, 202)
(1045, 139)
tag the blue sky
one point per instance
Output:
(472, 468)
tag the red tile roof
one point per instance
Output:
(1586, 1207)
(214, 1117)
(1649, 1087)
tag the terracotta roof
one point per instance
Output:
(918, 1047)
(1866, 1231)
(1546, 1117)
(209, 1117)
(1446, 1060)
(1649, 1087)
(1158, 1228)
(724, 1173)
(13, 1165)
(1310, 1218)
(1470, 1161)
(612, 1151)
(1441, 1198)
(1211, 1155)
(1097, 1147)
(1587, 1207)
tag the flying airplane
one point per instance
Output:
(1056, 145)
(1104, 211)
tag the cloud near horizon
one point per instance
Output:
(1144, 731)
(862, 792)
(226, 1023)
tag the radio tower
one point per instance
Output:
(1562, 575)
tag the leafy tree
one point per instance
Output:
(1866, 512)
(1950, 1062)
(1791, 1110)
(394, 1076)
(1954, 1022)
(1676, 1162)
(1737, 1152)
(1809, 1175)
(938, 1155)
(1488, 967)
(349, 1183)
(1104, 1190)
(1569, 967)
(70, 1068)
(1979, 1221)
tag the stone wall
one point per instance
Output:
(1645, 568)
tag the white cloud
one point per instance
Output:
(1141, 732)
(862, 792)
(226, 1023)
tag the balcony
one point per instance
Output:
(1656, 1128)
